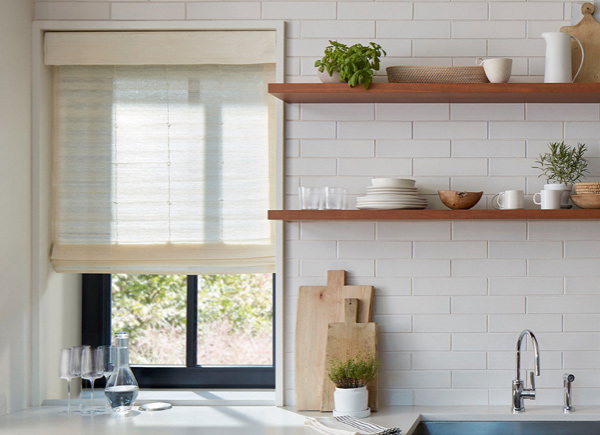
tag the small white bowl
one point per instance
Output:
(392, 182)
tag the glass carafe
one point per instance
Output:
(121, 388)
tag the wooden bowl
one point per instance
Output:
(590, 200)
(459, 200)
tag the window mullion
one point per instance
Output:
(191, 354)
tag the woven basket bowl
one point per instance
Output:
(587, 187)
(436, 74)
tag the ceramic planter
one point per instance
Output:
(351, 401)
(326, 78)
(566, 188)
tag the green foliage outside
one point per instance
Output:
(152, 309)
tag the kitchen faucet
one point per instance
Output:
(518, 392)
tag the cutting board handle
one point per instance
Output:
(336, 278)
(587, 8)
(350, 310)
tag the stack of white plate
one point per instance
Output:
(391, 194)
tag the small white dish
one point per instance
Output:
(155, 406)
(392, 182)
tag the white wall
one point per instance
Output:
(451, 296)
(15, 230)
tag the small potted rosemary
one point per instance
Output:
(350, 377)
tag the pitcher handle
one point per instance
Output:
(479, 61)
(582, 55)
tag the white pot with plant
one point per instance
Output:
(562, 167)
(353, 65)
(350, 377)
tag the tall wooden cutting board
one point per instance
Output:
(346, 340)
(318, 306)
(588, 33)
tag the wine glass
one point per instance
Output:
(90, 369)
(107, 363)
(107, 358)
(65, 373)
(75, 362)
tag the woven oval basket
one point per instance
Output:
(436, 74)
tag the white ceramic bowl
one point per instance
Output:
(392, 182)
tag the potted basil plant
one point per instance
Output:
(353, 65)
(562, 166)
(350, 377)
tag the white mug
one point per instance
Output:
(549, 199)
(510, 199)
(497, 70)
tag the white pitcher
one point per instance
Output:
(558, 57)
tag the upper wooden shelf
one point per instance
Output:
(380, 215)
(438, 93)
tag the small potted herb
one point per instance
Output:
(562, 167)
(353, 65)
(350, 378)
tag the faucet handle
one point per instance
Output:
(532, 380)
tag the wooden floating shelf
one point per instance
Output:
(437, 93)
(382, 215)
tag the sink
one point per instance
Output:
(507, 428)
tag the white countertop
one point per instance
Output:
(254, 420)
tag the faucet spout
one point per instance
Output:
(518, 391)
(536, 352)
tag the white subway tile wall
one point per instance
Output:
(451, 297)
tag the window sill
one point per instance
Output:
(189, 397)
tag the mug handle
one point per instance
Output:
(582, 56)
(480, 61)
(534, 201)
(496, 197)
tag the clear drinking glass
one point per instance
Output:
(90, 369)
(335, 198)
(65, 373)
(311, 198)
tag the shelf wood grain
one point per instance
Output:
(437, 93)
(381, 215)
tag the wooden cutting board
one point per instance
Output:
(588, 33)
(346, 340)
(318, 306)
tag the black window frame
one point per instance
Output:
(96, 331)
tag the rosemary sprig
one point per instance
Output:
(563, 164)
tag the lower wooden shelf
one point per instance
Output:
(381, 215)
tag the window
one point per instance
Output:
(211, 331)
(164, 171)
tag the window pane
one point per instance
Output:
(235, 319)
(152, 309)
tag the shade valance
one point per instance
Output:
(230, 47)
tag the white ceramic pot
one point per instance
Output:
(326, 78)
(351, 401)
(566, 188)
